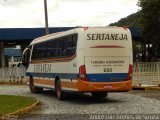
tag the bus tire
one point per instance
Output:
(58, 90)
(34, 89)
(98, 95)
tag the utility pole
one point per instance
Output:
(46, 17)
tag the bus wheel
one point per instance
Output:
(58, 89)
(99, 94)
(34, 89)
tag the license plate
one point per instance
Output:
(108, 86)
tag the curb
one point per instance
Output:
(26, 109)
(145, 88)
(153, 88)
(12, 83)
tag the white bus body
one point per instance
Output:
(99, 60)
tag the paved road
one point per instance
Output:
(116, 103)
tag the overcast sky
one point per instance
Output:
(64, 13)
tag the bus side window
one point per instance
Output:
(60, 47)
(57, 48)
(74, 43)
(53, 49)
(41, 47)
(69, 41)
(65, 45)
(74, 38)
(69, 45)
(34, 52)
(39, 51)
(45, 50)
(64, 53)
(49, 49)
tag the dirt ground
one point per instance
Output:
(147, 93)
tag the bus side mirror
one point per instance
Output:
(23, 60)
(26, 57)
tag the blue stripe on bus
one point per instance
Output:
(107, 77)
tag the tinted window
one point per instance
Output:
(56, 48)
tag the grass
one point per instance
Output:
(10, 103)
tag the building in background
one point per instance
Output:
(13, 56)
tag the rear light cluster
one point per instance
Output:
(82, 73)
(130, 71)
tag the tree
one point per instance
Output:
(148, 21)
(151, 23)
(133, 20)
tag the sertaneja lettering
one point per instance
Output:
(107, 37)
(42, 68)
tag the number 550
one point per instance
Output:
(107, 69)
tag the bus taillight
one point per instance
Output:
(130, 71)
(82, 73)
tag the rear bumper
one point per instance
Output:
(124, 86)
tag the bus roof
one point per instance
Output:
(45, 37)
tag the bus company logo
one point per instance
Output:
(42, 68)
(107, 37)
